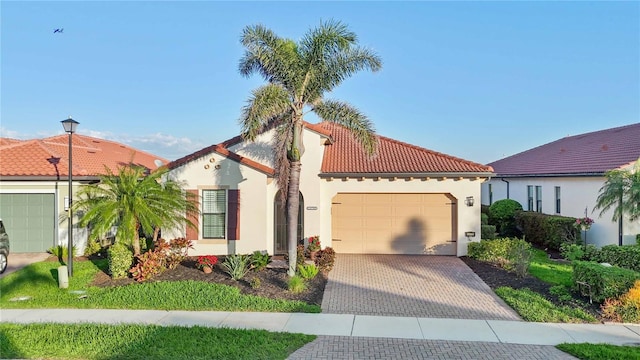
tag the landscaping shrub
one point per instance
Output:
(93, 247)
(574, 252)
(488, 232)
(502, 214)
(638, 239)
(626, 308)
(506, 252)
(147, 265)
(236, 266)
(206, 261)
(548, 231)
(605, 281)
(176, 251)
(325, 260)
(296, 284)
(308, 272)
(626, 256)
(61, 252)
(259, 260)
(120, 260)
(255, 283)
(484, 219)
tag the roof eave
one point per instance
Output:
(588, 174)
(47, 178)
(407, 175)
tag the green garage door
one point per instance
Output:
(29, 220)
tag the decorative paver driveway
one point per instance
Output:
(410, 285)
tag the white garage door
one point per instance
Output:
(371, 223)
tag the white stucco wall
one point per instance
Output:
(577, 194)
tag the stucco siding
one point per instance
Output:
(577, 195)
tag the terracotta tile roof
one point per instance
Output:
(49, 157)
(222, 150)
(8, 141)
(590, 153)
(346, 156)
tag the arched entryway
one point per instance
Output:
(280, 224)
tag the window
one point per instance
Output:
(539, 199)
(529, 197)
(490, 194)
(557, 199)
(214, 213)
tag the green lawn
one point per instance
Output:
(531, 306)
(550, 271)
(601, 351)
(39, 281)
(93, 341)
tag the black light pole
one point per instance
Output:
(70, 126)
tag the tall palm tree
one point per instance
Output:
(132, 200)
(621, 191)
(298, 76)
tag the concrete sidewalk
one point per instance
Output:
(345, 325)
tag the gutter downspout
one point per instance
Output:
(507, 186)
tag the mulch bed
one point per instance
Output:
(273, 282)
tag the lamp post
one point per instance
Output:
(70, 126)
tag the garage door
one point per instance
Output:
(367, 223)
(29, 220)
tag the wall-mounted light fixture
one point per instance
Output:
(470, 234)
(469, 201)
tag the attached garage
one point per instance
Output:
(394, 223)
(29, 220)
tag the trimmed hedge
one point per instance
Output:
(605, 281)
(497, 251)
(488, 232)
(548, 231)
(627, 256)
(502, 214)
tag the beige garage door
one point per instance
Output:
(366, 223)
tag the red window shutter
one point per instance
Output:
(193, 232)
(233, 217)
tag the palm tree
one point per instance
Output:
(298, 76)
(621, 191)
(132, 200)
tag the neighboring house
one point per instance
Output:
(403, 200)
(564, 177)
(34, 184)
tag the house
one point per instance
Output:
(403, 200)
(34, 184)
(564, 178)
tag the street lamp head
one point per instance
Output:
(70, 125)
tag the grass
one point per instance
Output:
(532, 306)
(93, 341)
(39, 281)
(601, 351)
(549, 271)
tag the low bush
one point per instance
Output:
(93, 247)
(626, 308)
(176, 252)
(484, 219)
(627, 256)
(296, 284)
(502, 214)
(147, 265)
(325, 260)
(259, 260)
(120, 259)
(61, 252)
(604, 281)
(307, 272)
(236, 266)
(488, 232)
(547, 231)
(206, 261)
(255, 283)
(574, 252)
(506, 252)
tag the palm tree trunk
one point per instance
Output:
(156, 232)
(293, 203)
(135, 243)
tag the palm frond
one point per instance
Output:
(611, 194)
(266, 103)
(351, 118)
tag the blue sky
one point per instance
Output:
(477, 80)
